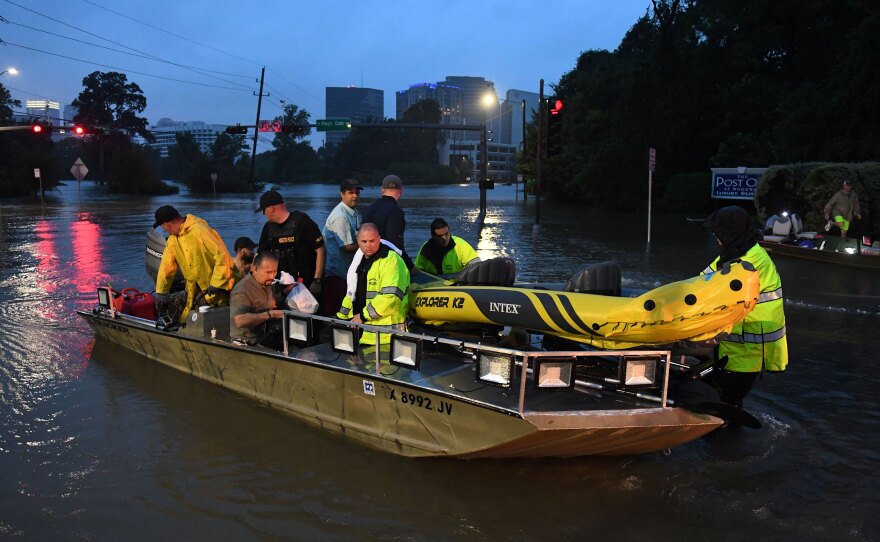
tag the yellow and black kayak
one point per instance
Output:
(695, 309)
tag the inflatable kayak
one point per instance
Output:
(695, 309)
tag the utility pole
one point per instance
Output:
(256, 124)
(541, 114)
(525, 193)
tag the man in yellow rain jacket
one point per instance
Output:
(444, 254)
(381, 297)
(200, 254)
(757, 343)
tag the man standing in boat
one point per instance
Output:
(253, 316)
(757, 343)
(200, 254)
(444, 254)
(843, 206)
(381, 296)
(297, 240)
(340, 236)
(387, 215)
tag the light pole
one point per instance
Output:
(10, 71)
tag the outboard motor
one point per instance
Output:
(153, 257)
(600, 279)
(494, 272)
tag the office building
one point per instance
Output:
(70, 112)
(354, 103)
(165, 133)
(513, 130)
(45, 110)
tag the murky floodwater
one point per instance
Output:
(101, 444)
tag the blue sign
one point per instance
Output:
(734, 183)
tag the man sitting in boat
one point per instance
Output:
(253, 316)
(843, 206)
(200, 254)
(244, 257)
(381, 297)
(444, 254)
(757, 343)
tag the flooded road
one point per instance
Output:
(101, 444)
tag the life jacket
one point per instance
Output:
(758, 343)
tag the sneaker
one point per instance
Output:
(828, 225)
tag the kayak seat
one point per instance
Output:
(494, 272)
(599, 279)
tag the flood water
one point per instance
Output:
(102, 444)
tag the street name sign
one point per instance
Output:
(333, 125)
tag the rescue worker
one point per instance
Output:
(843, 206)
(388, 216)
(381, 297)
(340, 238)
(444, 254)
(200, 254)
(757, 343)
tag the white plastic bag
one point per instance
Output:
(301, 299)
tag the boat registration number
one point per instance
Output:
(421, 401)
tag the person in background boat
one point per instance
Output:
(381, 296)
(444, 254)
(757, 343)
(340, 238)
(253, 316)
(200, 254)
(297, 240)
(387, 215)
(843, 206)
(244, 257)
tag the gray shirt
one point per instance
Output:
(249, 296)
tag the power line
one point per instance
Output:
(125, 69)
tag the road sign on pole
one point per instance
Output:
(333, 125)
(36, 173)
(79, 169)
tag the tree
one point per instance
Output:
(6, 105)
(110, 101)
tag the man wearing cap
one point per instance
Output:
(444, 254)
(340, 236)
(386, 214)
(200, 254)
(297, 240)
(244, 257)
(757, 343)
(843, 206)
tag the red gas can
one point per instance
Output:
(140, 304)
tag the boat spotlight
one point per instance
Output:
(345, 339)
(299, 330)
(406, 352)
(104, 297)
(554, 374)
(784, 213)
(639, 372)
(495, 369)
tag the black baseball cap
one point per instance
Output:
(392, 182)
(350, 184)
(272, 197)
(164, 214)
(243, 242)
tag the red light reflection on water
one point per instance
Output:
(87, 257)
(47, 264)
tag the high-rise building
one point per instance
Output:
(447, 96)
(476, 108)
(355, 103)
(70, 111)
(165, 133)
(514, 110)
(46, 110)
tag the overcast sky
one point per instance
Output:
(305, 46)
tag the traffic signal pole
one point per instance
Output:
(256, 134)
(541, 113)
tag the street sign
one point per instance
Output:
(36, 173)
(333, 125)
(269, 126)
(79, 169)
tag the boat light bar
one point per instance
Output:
(639, 372)
(345, 339)
(104, 297)
(406, 352)
(494, 369)
(299, 330)
(554, 375)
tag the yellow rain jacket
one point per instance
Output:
(387, 297)
(758, 342)
(203, 259)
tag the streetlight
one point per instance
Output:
(10, 71)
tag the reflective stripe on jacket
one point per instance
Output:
(455, 258)
(201, 255)
(387, 297)
(758, 341)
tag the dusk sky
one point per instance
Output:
(305, 46)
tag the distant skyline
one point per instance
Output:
(305, 46)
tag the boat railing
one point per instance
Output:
(643, 374)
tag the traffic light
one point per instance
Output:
(238, 129)
(554, 126)
(81, 130)
(40, 128)
(296, 129)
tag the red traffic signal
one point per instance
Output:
(554, 106)
(79, 130)
(39, 128)
(236, 130)
(82, 130)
